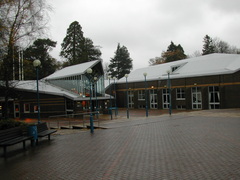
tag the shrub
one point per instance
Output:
(10, 123)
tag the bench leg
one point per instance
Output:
(49, 137)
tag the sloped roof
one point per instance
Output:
(213, 64)
(72, 70)
(45, 88)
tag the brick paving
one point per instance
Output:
(181, 146)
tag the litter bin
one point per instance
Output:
(32, 131)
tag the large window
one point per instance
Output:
(196, 98)
(180, 93)
(26, 108)
(130, 99)
(214, 97)
(165, 98)
(141, 95)
(153, 99)
(35, 109)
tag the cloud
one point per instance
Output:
(146, 27)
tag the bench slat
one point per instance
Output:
(15, 141)
(12, 136)
(44, 131)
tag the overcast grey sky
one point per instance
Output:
(146, 27)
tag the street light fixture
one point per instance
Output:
(36, 64)
(169, 91)
(146, 94)
(89, 72)
(126, 76)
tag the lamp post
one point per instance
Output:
(89, 72)
(115, 95)
(109, 78)
(169, 91)
(146, 94)
(127, 105)
(36, 64)
(95, 80)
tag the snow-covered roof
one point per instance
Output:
(213, 64)
(47, 88)
(44, 88)
(72, 70)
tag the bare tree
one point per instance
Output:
(221, 46)
(105, 69)
(20, 21)
(195, 54)
(156, 60)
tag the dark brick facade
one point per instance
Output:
(227, 85)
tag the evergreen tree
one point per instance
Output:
(91, 52)
(208, 47)
(76, 48)
(121, 64)
(40, 50)
(173, 53)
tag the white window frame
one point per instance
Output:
(153, 99)
(181, 92)
(212, 93)
(141, 95)
(165, 96)
(130, 99)
(35, 109)
(197, 94)
(25, 109)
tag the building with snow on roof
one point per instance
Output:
(64, 92)
(205, 82)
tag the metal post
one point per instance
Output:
(109, 77)
(36, 64)
(90, 78)
(169, 91)
(38, 104)
(146, 94)
(126, 75)
(115, 95)
(95, 79)
(91, 115)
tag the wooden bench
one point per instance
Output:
(12, 136)
(42, 130)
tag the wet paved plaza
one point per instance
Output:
(200, 145)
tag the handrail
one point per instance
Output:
(94, 112)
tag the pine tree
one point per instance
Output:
(208, 47)
(76, 48)
(174, 53)
(121, 64)
(91, 52)
(40, 50)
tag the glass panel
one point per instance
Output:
(216, 96)
(26, 108)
